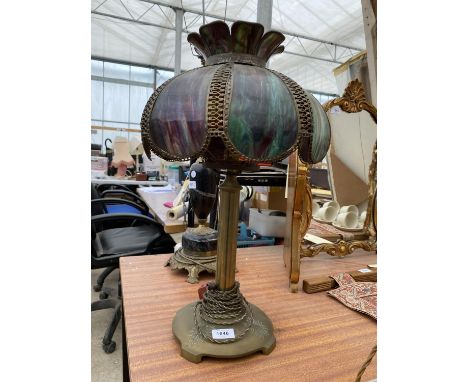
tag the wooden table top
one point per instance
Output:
(155, 201)
(317, 338)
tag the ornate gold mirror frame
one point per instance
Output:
(298, 216)
(299, 210)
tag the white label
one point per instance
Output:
(263, 197)
(316, 239)
(192, 184)
(222, 334)
(364, 270)
(193, 174)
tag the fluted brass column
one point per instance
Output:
(227, 231)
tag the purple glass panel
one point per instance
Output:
(178, 119)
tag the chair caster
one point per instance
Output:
(109, 348)
(97, 287)
(103, 295)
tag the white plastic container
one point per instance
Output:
(98, 167)
(173, 175)
(266, 224)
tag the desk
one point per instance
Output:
(155, 201)
(317, 338)
(129, 182)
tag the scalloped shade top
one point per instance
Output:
(234, 110)
(215, 43)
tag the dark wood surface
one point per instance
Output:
(318, 338)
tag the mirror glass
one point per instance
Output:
(353, 136)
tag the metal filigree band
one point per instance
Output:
(219, 96)
(219, 100)
(302, 102)
(148, 144)
(304, 110)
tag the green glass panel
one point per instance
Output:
(263, 123)
(321, 134)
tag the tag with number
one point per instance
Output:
(192, 184)
(364, 270)
(222, 334)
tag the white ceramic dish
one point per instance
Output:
(322, 221)
(357, 229)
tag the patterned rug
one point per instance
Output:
(359, 296)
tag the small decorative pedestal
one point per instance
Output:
(193, 264)
(198, 252)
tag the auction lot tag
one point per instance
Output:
(222, 334)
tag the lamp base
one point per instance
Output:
(194, 265)
(194, 347)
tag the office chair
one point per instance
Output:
(138, 235)
(116, 199)
(111, 201)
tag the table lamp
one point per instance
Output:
(234, 113)
(136, 148)
(122, 158)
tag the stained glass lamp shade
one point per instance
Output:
(234, 113)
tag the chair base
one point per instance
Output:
(102, 277)
(107, 344)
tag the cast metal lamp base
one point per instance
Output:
(197, 254)
(194, 346)
(223, 324)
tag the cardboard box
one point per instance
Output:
(269, 198)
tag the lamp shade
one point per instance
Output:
(136, 147)
(233, 110)
(122, 153)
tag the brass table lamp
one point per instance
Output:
(234, 113)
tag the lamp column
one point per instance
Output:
(229, 193)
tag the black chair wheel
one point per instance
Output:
(109, 348)
(103, 295)
(97, 287)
